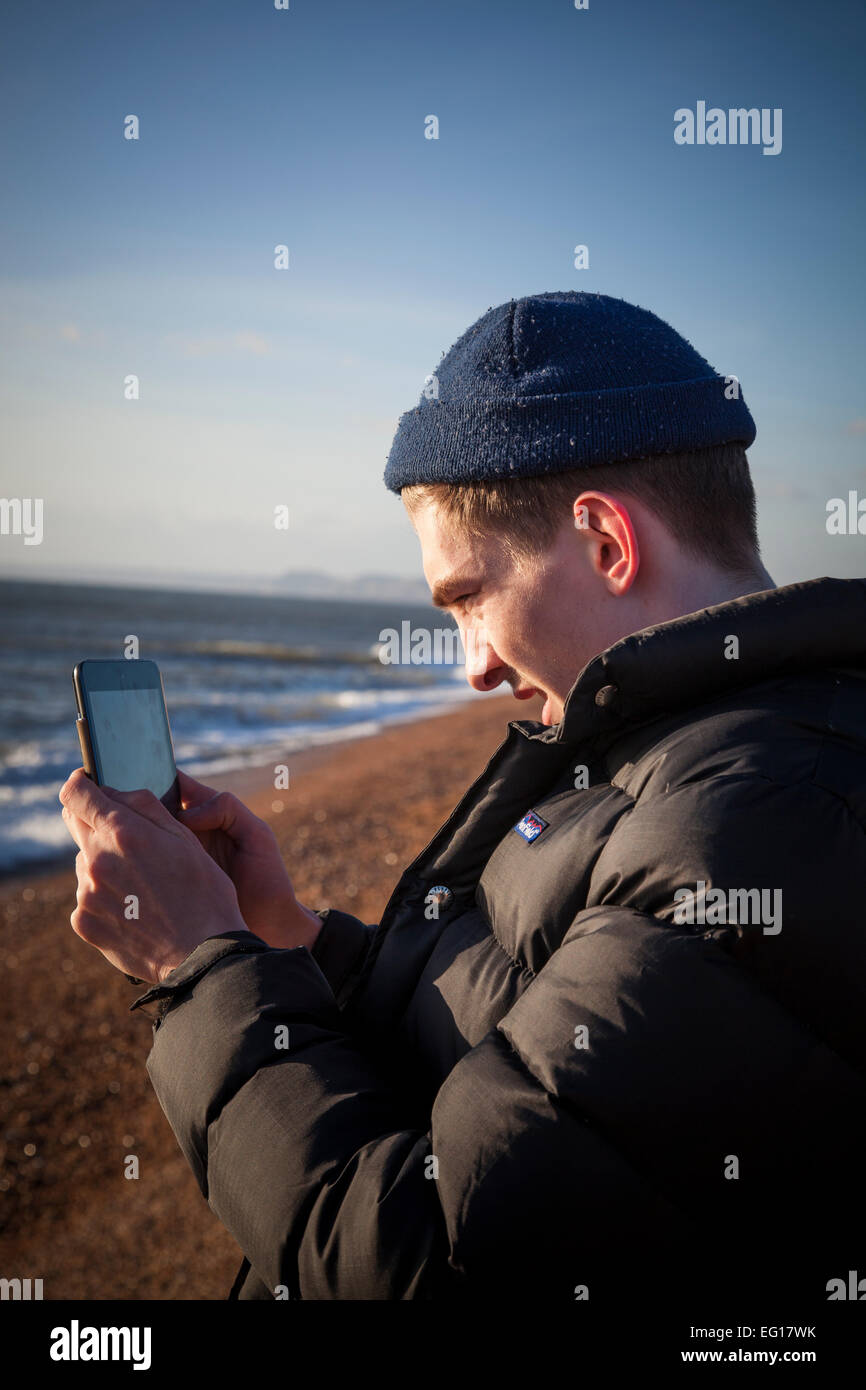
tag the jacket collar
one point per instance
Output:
(815, 623)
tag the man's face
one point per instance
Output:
(533, 625)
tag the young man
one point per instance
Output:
(607, 1041)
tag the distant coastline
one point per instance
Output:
(368, 586)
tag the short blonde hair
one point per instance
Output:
(705, 498)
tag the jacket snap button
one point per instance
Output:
(441, 895)
(605, 696)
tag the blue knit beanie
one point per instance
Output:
(563, 380)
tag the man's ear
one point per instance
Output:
(607, 530)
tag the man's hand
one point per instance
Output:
(147, 895)
(246, 849)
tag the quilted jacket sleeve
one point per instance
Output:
(340, 950)
(543, 1163)
(296, 1138)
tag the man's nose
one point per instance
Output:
(484, 670)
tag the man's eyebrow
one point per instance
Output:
(446, 589)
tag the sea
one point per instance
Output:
(248, 680)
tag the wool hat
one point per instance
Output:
(563, 380)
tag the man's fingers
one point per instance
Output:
(86, 925)
(90, 803)
(78, 829)
(145, 804)
(193, 793)
(222, 812)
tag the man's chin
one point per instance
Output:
(550, 712)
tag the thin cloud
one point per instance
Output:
(252, 342)
(222, 345)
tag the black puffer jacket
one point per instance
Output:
(558, 1083)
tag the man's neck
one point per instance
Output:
(710, 588)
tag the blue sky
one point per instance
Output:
(306, 127)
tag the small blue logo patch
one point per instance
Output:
(531, 826)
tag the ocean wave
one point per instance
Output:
(32, 830)
(275, 651)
